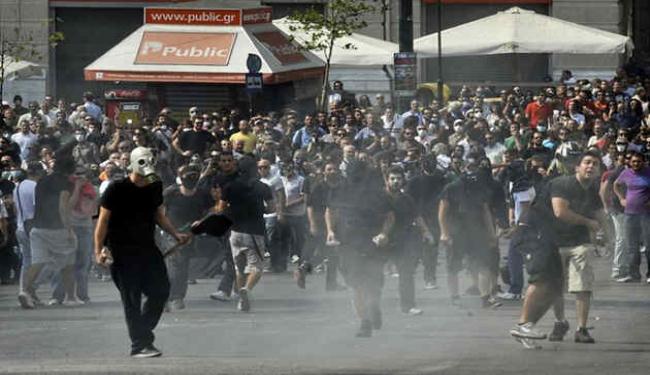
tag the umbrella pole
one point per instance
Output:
(2, 67)
(440, 82)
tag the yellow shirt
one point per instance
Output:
(249, 141)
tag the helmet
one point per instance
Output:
(142, 161)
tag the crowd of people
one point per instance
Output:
(359, 191)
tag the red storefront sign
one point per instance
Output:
(185, 48)
(206, 17)
(283, 50)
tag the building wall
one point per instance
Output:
(602, 14)
(31, 19)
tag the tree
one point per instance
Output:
(341, 18)
(21, 46)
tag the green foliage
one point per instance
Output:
(341, 18)
(23, 46)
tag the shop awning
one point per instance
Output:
(204, 46)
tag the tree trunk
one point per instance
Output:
(322, 105)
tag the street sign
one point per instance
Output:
(254, 82)
(405, 64)
(253, 63)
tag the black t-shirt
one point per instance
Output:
(47, 193)
(467, 200)
(185, 209)
(133, 216)
(516, 177)
(318, 193)
(361, 210)
(194, 141)
(246, 205)
(584, 201)
(406, 210)
(425, 190)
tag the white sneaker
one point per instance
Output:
(430, 285)
(528, 343)
(53, 302)
(648, 280)
(219, 295)
(26, 301)
(295, 259)
(415, 311)
(509, 296)
(244, 304)
(527, 331)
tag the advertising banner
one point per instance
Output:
(171, 48)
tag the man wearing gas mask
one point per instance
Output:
(184, 204)
(130, 210)
(467, 230)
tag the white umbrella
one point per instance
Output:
(367, 51)
(20, 67)
(521, 31)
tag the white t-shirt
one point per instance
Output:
(24, 207)
(275, 183)
(293, 190)
(25, 142)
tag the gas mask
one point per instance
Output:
(80, 137)
(621, 147)
(143, 163)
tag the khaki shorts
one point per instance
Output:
(578, 265)
(54, 247)
(248, 246)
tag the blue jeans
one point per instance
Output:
(637, 231)
(83, 262)
(26, 252)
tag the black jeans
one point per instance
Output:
(135, 276)
(406, 256)
(228, 279)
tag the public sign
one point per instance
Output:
(174, 48)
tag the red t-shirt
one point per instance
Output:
(536, 113)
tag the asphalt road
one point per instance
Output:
(292, 331)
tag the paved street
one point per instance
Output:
(293, 331)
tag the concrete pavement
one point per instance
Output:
(292, 331)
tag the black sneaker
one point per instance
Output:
(559, 330)
(582, 336)
(365, 330)
(149, 351)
